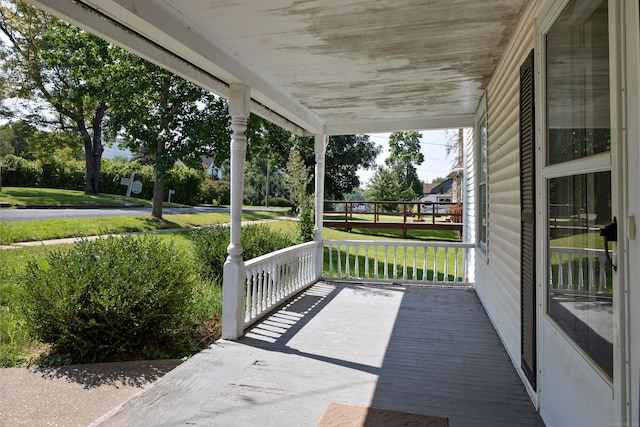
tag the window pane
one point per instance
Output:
(578, 82)
(482, 190)
(580, 294)
(482, 144)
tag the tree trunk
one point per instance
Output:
(158, 183)
(93, 150)
(158, 194)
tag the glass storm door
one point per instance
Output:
(577, 177)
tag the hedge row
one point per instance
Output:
(70, 175)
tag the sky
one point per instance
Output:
(435, 165)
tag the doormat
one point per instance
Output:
(340, 415)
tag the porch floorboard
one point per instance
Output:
(424, 350)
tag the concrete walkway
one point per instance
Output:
(72, 396)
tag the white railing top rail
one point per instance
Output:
(407, 243)
(271, 255)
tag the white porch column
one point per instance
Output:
(320, 148)
(233, 273)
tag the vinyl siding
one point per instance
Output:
(498, 278)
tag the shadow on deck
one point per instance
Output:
(424, 350)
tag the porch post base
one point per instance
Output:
(233, 298)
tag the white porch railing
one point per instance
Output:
(579, 271)
(405, 262)
(272, 278)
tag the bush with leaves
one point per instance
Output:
(211, 243)
(211, 189)
(19, 172)
(111, 298)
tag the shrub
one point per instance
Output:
(19, 172)
(280, 202)
(58, 173)
(211, 189)
(111, 297)
(210, 245)
(306, 224)
(186, 182)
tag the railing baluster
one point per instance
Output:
(581, 269)
(424, 264)
(560, 270)
(592, 274)
(366, 261)
(415, 263)
(455, 271)
(386, 263)
(570, 270)
(446, 264)
(436, 249)
(603, 276)
(404, 264)
(395, 262)
(347, 261)
(356, 267)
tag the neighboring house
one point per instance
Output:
(439, 193)
(213, 171)
(548, 94)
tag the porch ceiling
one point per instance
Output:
(328, 66)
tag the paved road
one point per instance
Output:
(11, 215)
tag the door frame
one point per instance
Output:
(621, 387)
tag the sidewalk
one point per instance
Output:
(74, 395)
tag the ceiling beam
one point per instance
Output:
(445, 122)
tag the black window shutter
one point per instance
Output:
(528, 228)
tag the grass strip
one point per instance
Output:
(29, 231)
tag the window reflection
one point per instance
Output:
(578, 83)
(579, 290)
(580, 294)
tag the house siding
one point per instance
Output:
(498, 277)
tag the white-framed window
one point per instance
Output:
(481, 173)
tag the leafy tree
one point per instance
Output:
(404, 154)
(296, 179)
(15, 137)
(438, 180)
(345, 155)
(268, 146)
(168, 119)
(454, 145)
(384, 185)
(49, 61)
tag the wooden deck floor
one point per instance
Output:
(414, 349)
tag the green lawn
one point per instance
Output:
(28, 231)
(53, 196)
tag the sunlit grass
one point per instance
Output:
(27, 231)
(54, 196)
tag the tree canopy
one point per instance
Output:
(404, 155)
(54, 63)
(384, 185)
(169, 119)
